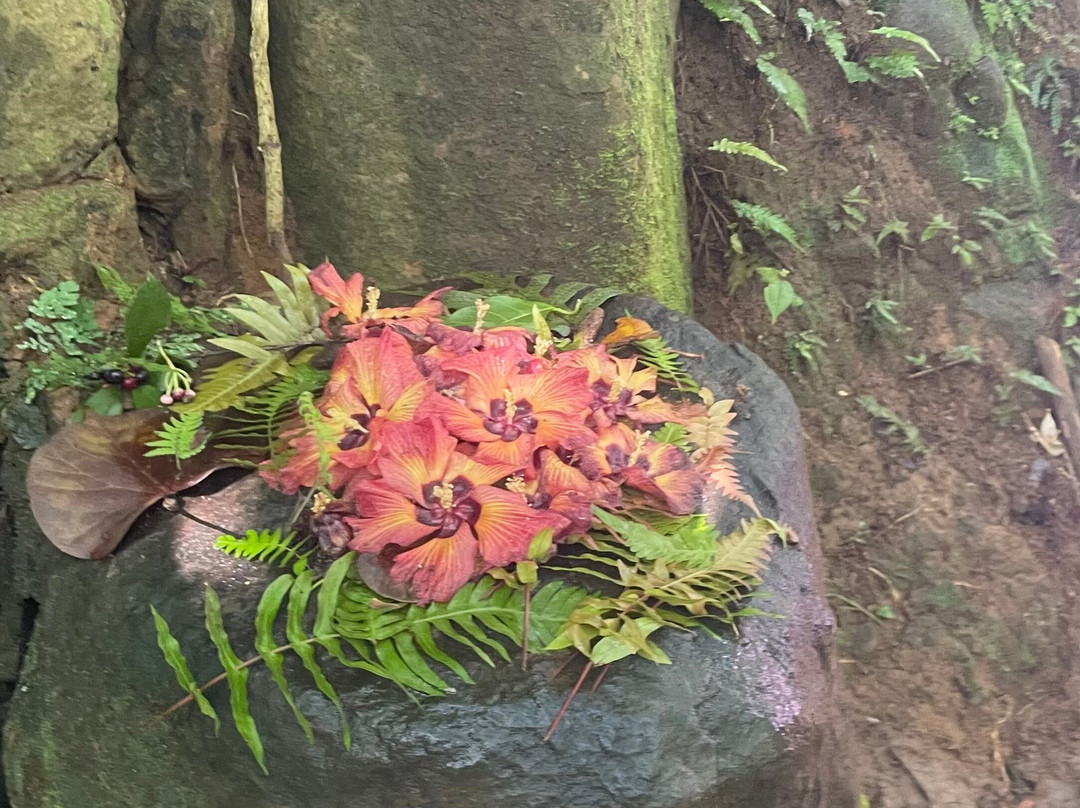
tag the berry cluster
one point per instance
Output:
(124, 379)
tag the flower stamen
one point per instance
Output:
(444, 493)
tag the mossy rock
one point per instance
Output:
(61, 59)
(62, 232)
(509, 137)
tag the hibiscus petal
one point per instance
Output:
(681, 490)
(556, 431)
(388, 518)
(507, 524)
(512, 454)
(563, 390)
(489, 374)
(438, 568)
(348, 296)
(381, 368)
(459, 419)
(409, 401)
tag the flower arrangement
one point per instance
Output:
(461, 456)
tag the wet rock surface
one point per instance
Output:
(746, 722)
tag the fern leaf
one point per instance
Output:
(181, 437)
(170, 648)
(673, 433)
(765, 221)
(245, 346)
(266, 646)
(224, 386)
(476, 612)
(714, 440)
(268, 547)
(726, 146)
(691, 542)
(236, 675)
(908, 36)
(732, 11)
(655, 353)
(786, 87)
(301, 645)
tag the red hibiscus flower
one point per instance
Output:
(361, 307)
(640, 461)
(435, 515)
(373, 381)
(618, 386)
(511, 413)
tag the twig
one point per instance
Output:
(525, 629)
(855, 605)
(240, 210)
(269, 138)
(566, 704)
(599, 678)
(172, 505)
(946, 366)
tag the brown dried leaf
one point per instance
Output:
(91, 481)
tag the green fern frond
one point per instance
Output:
(765, 221)
(181, 437)
(673, 433)
(294, 319)
(657, 594)
(690, 542)
(786, 87)
(324, 436)
(267, 546)
(908, 36)
(402, 637)
(733, 11)
(655, 353)
(224, 386)
(725, 146)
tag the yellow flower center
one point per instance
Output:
(319, 503)
(371, 297)
(445, 494)
(616, 389)
(482, 308)
(516, 484)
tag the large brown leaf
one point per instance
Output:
(90, 482)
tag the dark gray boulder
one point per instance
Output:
(748, 722)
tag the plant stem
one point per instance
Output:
(247, 663)
(566, 704)
(269, 138)
(525, 629)
(172, 504)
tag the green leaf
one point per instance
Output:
(691, 542)
(789, 90)
(765, 221)
(106, 401)
(1035, 380)
(907, 36)
(245, 346)
(732, 11)
(170, 648)
(266, 646)
(779, 297)
(149, 313)
(301, 645)
(726, 146)
(504, 311)
(672, 433)
(236, 676)
(267, 546)
(894, 227)
(224, 385)
(179, 437)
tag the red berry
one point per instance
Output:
(129, 383)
